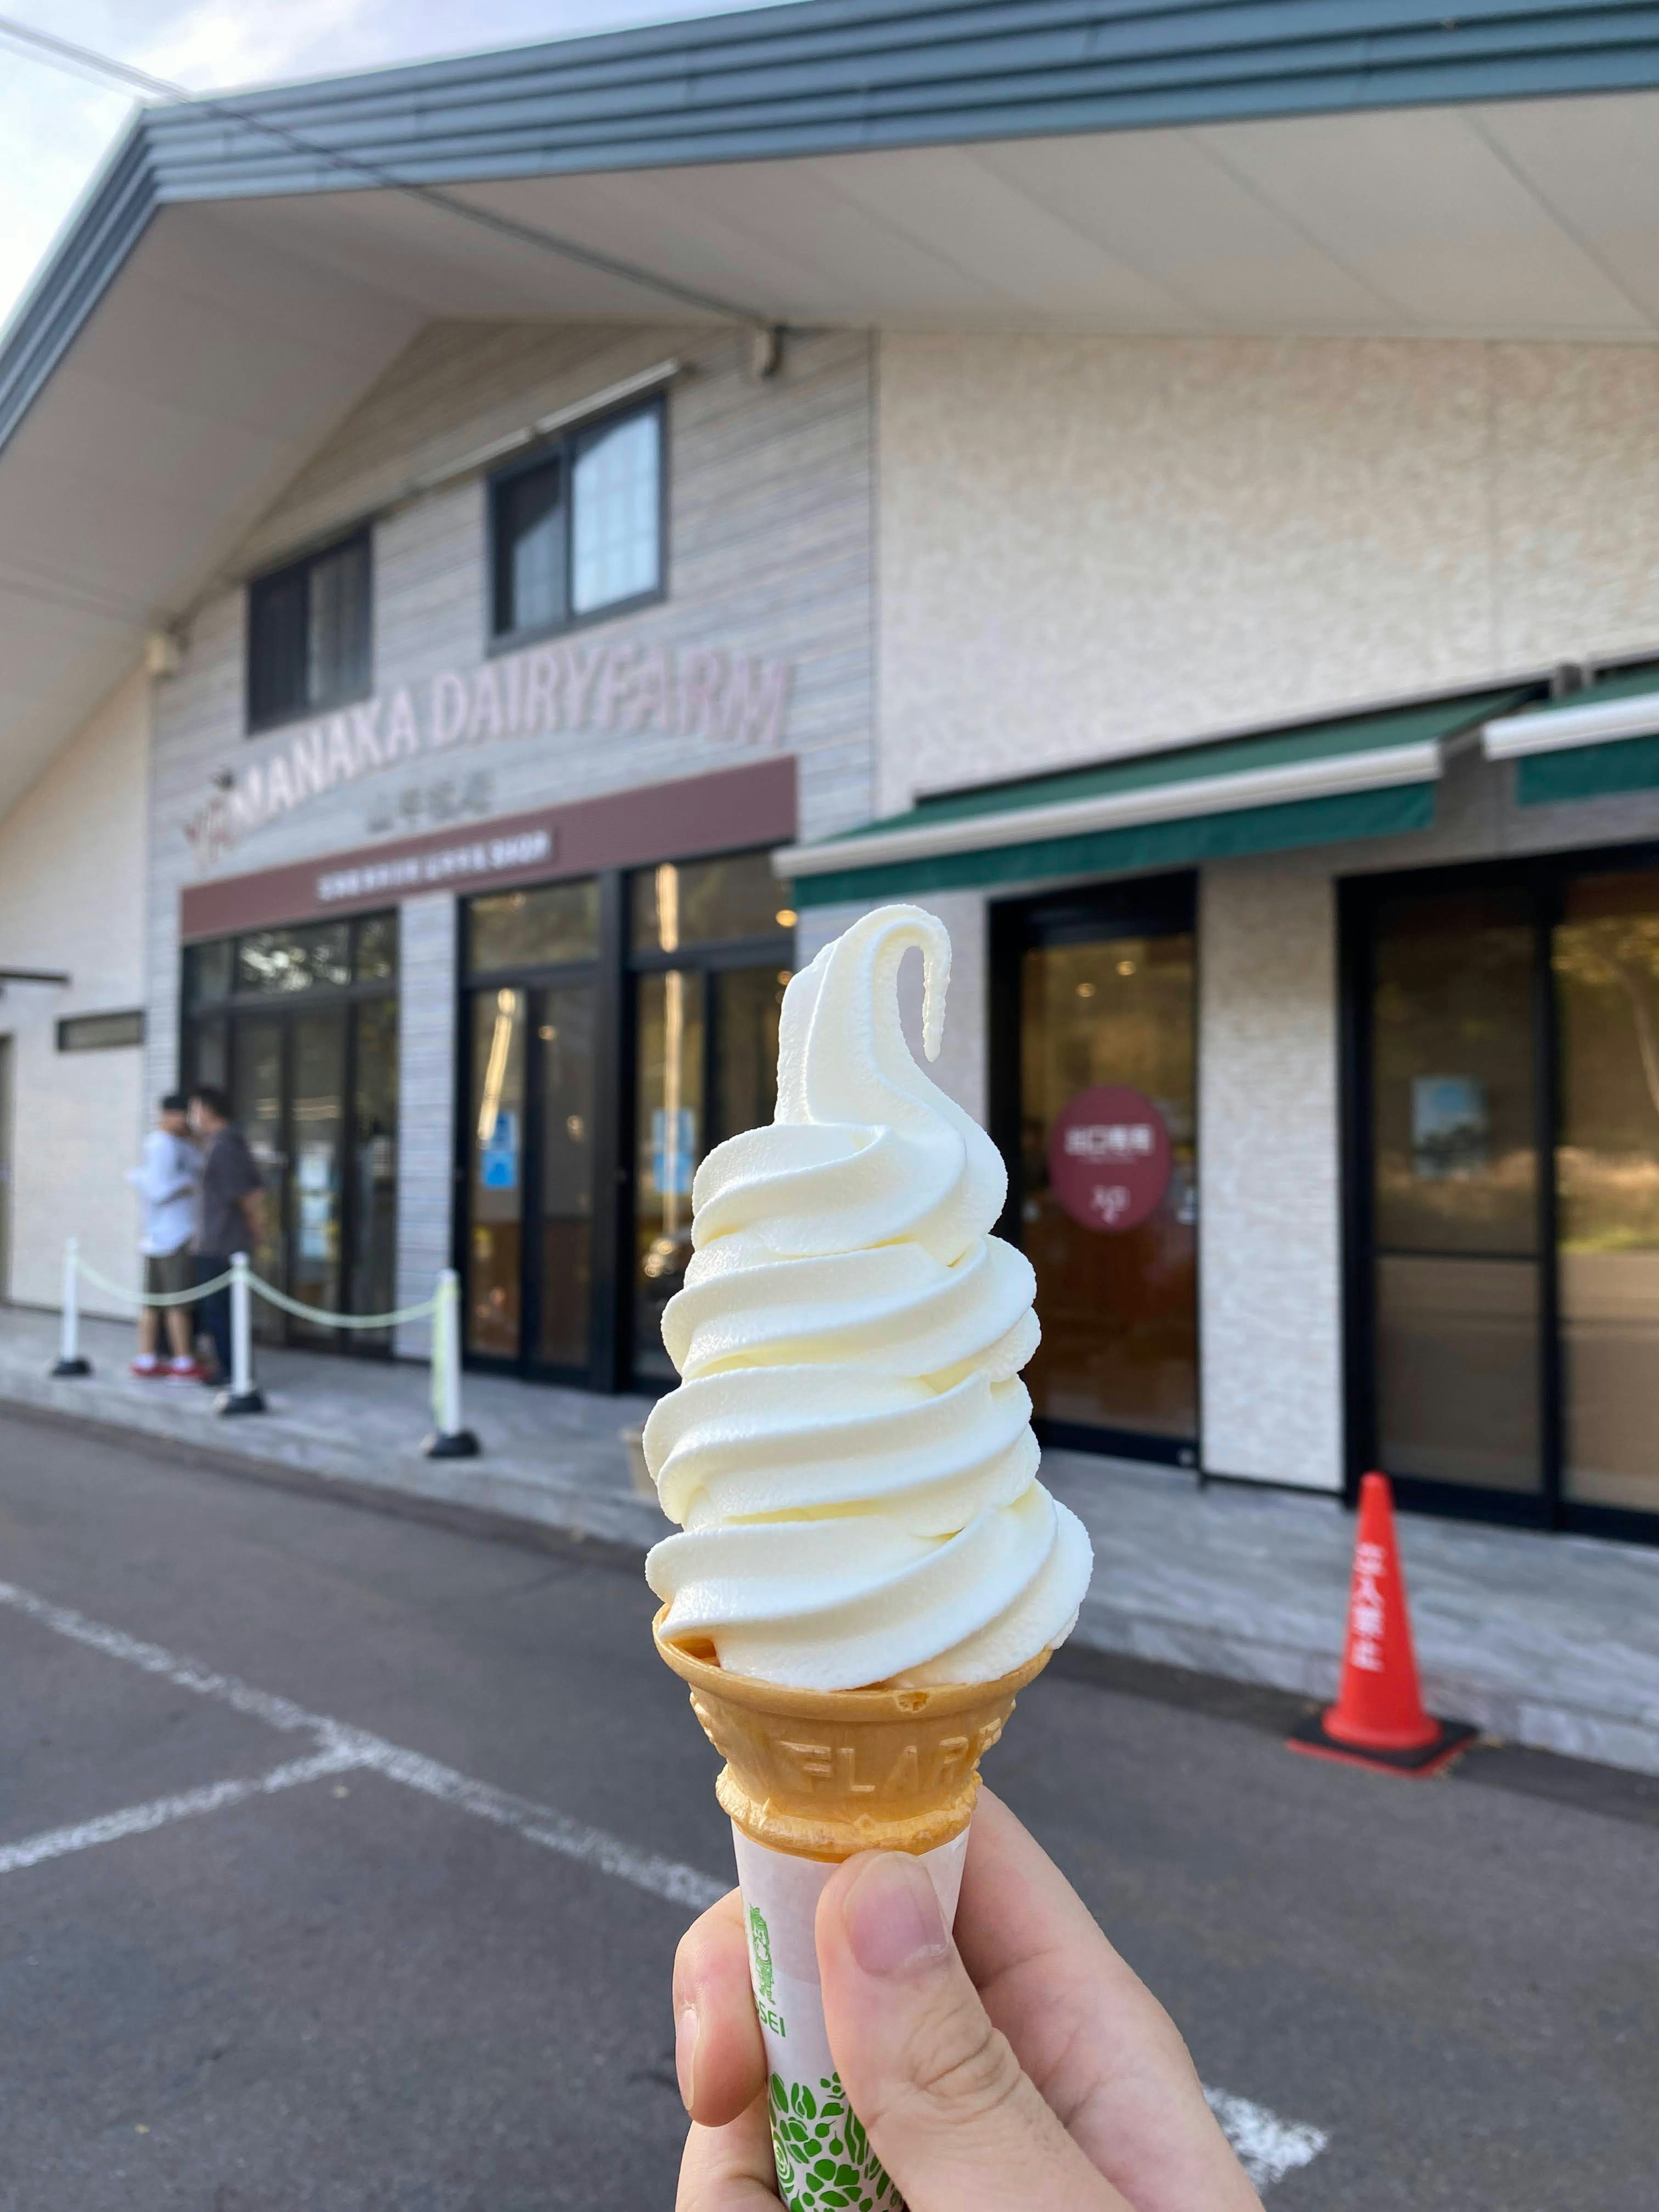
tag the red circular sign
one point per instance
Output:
(1109, 1157)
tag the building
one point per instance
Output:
(500, 559)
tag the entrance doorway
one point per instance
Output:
(299, 1026)
(1094, 1107)
(616, 1026)
(1504, 1178)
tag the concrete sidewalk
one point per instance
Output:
(1548, 1641)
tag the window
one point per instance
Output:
(101, 1032)
(308, 636)
(577, 530)
(534, 928)
(265, 963)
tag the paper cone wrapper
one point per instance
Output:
(812, 1777)
(822, 2155)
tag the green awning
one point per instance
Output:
(1319, 783)
(1599, 741)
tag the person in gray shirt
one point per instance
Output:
(233, 1208)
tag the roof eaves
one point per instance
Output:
(96, 242)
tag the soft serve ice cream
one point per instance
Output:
(849, 1453)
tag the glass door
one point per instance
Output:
(561, 1058)
(496, 1147)
(528, 1167)
(1457, 1285)
(299, 1026)
(1605, 963)
(1504, 1270)
(257, 1088)
(317, 1173)
(708, 938)
(1100, 1130)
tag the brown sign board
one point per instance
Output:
(681, 820)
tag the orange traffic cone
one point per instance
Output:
(1378, 1719)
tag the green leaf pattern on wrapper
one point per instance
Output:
(825, 2160)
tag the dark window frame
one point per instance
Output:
(69, 1023)
(562, 450)
(261, 719)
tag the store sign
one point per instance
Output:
(1109, 1158)
(734, 807)
(615, 689)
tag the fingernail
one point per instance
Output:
(892, 1916)
(685, 2052)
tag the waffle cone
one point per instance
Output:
(820, 1774)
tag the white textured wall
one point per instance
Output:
(71, 897)
(1089, 545)
(1269, 1220)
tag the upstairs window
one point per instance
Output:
(577, 530)
(308, 636)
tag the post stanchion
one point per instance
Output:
(244, 1396)
(69, 1361)
(451, 1439)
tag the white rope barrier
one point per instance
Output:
(451, 1439)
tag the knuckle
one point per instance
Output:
(962, 2066)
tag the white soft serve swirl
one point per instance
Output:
(849, 1453)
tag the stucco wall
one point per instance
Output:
(1089, 545)
(71, 891)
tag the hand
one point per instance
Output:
(1021, 2065)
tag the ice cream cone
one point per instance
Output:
(821, 1774)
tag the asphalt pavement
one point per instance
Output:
(342, 1858)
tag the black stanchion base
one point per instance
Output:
(458, 1443)
(239, 1401)
(1312, 1737)
(73, 1367)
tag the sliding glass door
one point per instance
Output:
(1504, 1189)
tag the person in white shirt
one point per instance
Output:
(168, 1183)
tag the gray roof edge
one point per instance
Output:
(817, 77)
(112, 218)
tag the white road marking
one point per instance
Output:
(342, 1746)
(138, 1819)
(1267, 2146)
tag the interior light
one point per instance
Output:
(1086, 990)
(1126, 967)
(785, 917)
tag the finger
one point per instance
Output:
(955, 2121)
(729, 2169)
(1099, 2046)
(718, 2053)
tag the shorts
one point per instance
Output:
(168, 1272)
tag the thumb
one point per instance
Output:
(954, 2119)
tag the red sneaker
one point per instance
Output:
(184, 1371)
(147, 1370)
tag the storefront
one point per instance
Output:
(1485, 1086)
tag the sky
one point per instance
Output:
(56, 129)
